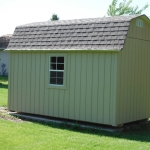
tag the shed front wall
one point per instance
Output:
(90, 93)
(133, 84)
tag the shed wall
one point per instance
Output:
(133, 98)
(91, 86)
(141, 33)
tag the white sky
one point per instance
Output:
(18, 12)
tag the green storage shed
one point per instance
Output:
(93, 70)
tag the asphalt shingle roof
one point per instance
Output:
(106, 33)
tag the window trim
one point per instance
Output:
(55, 86)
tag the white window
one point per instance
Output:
(139, 23)
(56, 71)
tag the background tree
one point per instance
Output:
(124, 8)
(54, 17)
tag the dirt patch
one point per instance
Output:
(5, 116)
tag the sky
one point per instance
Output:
(18, 12)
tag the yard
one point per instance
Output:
(3, 91)
(26, 135)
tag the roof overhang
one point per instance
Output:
(62, 50)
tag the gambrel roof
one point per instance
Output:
(106, 33)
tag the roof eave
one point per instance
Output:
(43, 50)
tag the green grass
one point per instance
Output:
(37, 136)
(32, 135)
(3, 91)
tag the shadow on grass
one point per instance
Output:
(138, 132)
(3, 85)
(3, 78)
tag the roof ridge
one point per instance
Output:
(82, 21)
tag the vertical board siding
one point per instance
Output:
(37, 85)
(24, 81)
(90, 86)
(72, 86)
(101, 83)
(107, 89)
(77, 85)
(133, 77)
(66, 92)
(45, 101)
(28, 81)
(83, 83)
(139, 32)
(19, 82)
(42, 84)
(33, 83)
(56, 102)
(50, 102)
(94, 90)
(89, 81)
(113, 102)
(61, 103)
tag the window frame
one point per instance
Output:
(49, 55)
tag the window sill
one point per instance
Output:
(56, 87)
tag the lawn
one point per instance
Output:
(31, 135)
(27, 135)
(3, 90)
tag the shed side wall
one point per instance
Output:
(133, 98)
(91, 86)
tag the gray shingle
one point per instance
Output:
(94, 33)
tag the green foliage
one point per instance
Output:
(54, 17)
(124, 8)
(3, 90)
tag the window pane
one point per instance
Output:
(52, 80)
(53, 59)
(60, 74)
(60, 81)
(56, 76)
(60, 59)
(53, 67)
(53, 74)
(60, 66)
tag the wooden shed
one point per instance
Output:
(93, 70)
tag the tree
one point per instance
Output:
(54, 17)
(124, 8)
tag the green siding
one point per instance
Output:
(133, 82)
(83, 83)
(90, 83)
(94, 108)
